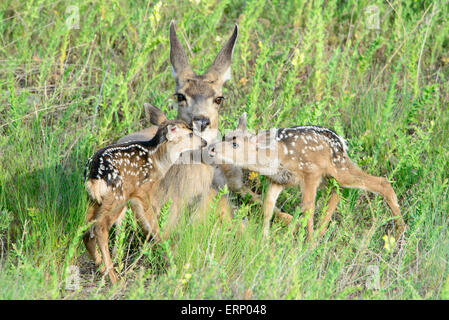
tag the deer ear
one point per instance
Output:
(171, 132)
(181, 67)
(154, 114)
(221, 67)
(242, 122)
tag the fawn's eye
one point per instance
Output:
(219, 100)
(235, 145)
(191, 134)
(180, 97)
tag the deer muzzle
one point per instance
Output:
(201, 122)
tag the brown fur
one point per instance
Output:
(127, 172)
(184, 183)
(301, 156)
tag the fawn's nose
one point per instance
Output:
(201, 122)
(212, 151)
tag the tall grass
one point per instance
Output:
(73, 79)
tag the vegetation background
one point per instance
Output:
(74, 76)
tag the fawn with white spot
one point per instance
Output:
(127, 172)
(301, 155)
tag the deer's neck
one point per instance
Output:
(159, 160)
(166, 155)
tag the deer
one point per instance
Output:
(197, 99)
(128, 172)
(304, 156)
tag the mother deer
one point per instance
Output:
(198, 98)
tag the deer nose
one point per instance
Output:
(212, 151)
(201, 122)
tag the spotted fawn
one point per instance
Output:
(126, 173)
(301, 155)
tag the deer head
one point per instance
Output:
(257, 152)
(198, 97)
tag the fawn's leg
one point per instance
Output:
(172, 220)
(204, 208)
(109, 212)
(331, 206)
(356, 178)
(102, 233)
(268, 205)
(223, 207)
(146, 217)
(154, 225)
(284, 217)
(89, 236)
(118, 223)
(308, 190)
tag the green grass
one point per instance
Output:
(385, 90)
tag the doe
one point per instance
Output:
(301, 155)
(127, 172)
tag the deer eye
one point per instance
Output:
(180, 97)
(191, 134)
(235, 145)
(219, 100)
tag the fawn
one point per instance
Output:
(301, 155)
(198, 99)
(127, 172)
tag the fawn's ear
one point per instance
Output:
(265, 139)
(154, 114)
(172, 129)
(242, 122)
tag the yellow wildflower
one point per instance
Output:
(253, 175)
(390, 243)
